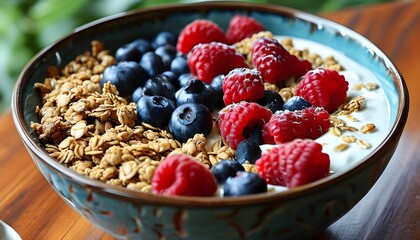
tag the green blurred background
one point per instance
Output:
(27, 26)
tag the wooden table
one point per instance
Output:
(391, 210)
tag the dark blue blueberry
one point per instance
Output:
(171, 77)
(152, 63)
(128, 52)
(247, 150)
(225, 169)
(137, 94)
(296, 103)
(271, 100)
(159, 86)
(179, 65)
(217, 84)
(254, 134)
(167, 53)
(183, 79)
(126, 76)
(142, 45)
(196, 91)
(164, 38)
(189, 119)
(155, 110)
(244, 183)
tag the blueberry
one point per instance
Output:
(179, 65)
(271, 100)
(164, 38)
(152, 63)
(171, 77)
(183, 79)
(225, 169)
(126, 76)
(247, 150)
(296, 103)
(255, 134)
(142, 45)
(137, 94)
(128, 52)
(196, 91)
(167, 53)
(244, 183)
(189, 119)
(159, 86)
(217, 84)
(155, 110)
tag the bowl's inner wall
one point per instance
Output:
(117, 32)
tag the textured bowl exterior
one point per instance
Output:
(293, 214)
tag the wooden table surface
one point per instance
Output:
(391, 210)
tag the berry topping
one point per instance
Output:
(247, 150)
(294, 163)
(128, 52)
(152, 63)
(183, 79)
(237, 121)
(179, 65)
(225, 169)
(155, 110)
(199, 31)
(217, 85)
(323, 88)
(126, 76)
(196, 91)
(179, 174)
(189, 119)
(137, 94)
(244, 183)
(160, 86)
(164, 38)
(296, 103)
(142, 45)
(275, 63)
(242, 84)
(271, 100)
(285, 126)
(167, 53)
(208, 60)
(241, 27)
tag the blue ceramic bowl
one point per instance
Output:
(294, 214)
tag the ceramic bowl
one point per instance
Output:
(293, 214)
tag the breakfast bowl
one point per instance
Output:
(294, 213)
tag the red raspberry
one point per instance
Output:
(323, 88)
(236, 121)
(242, 84)
(294, 163)
(241, 27)
(199, 31)
(275, 63)
(179, 174)
(208, 60)
(285, 126)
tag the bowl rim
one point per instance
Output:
(155, 199)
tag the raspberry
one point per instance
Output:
(199, 31)
(237, 121)
(323, 88)
(180, 174)
(242, 84)
(294, 163)
(241, 27)
(285, 126)
(208, 60)
(275, 63)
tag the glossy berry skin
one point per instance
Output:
(183, 79)
(170, 77)
(196, 91)
(128, 52)
(189, 119)
(181, 175)
(225, 169)
(199, 31)
(167, 53)
(294, 163)
(285, 126)
(164, 38)
(208, 60)
(247, 150)
(159, 86)
(237, 121)
(271, 100)
(296, 103)
(142, 45)
(152, 63)
(217, 85)
(179, 65)
(244, 183)
(137, 94)
(325, 88)
(242, 84)
(241, 27)
(126, 76)
(155, 110)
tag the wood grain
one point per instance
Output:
(391, 210)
